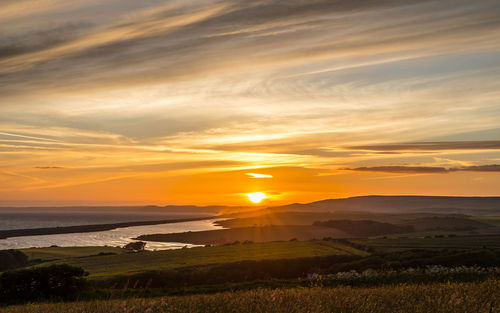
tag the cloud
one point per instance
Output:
(256, 175)
(431, 146)
(26, 136)
(49, 167)
(40, 40)
(426, 169)
(481, 168)
(146, 87)
(191, 41)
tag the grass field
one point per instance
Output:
(436, 298)
(492, 220)
(129, 263)
(56, 253)
(255, 234)
(459, 242)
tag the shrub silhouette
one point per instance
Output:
(52, 282)
(10, 259)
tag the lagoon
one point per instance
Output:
(114, 237)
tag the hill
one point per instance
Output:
(401, 204)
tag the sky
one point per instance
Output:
(203, 101)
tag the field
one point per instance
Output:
(276, 261)
(56, 253)
(268, 217)
(458, 242)
(263, 226)
(436, 298)
(297, 218)
(130, 263)
(255, 234)
(491, 220)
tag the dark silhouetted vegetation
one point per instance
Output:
(366, 228)
(420, 258)
(242, 271)
(10, 259)
(57, 282)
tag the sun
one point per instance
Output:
(256, 197)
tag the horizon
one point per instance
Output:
(260, 205)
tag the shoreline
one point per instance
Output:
(5, 234)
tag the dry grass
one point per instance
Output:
(437, 298)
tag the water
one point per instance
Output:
(26, 218)
(115, 237)
(32, 220)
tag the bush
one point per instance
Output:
(52, 282)
(10, 259)
(420, 258)
(428, 274)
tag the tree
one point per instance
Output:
(135, 246)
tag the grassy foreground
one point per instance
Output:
(437, 298)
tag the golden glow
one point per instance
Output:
(256, 197)
(256, 175)
(329, 110)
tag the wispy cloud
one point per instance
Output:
(431, 146)
(125, 89)
(427, 169)
(27, 137)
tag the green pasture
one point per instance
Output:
(129, 263)
(458, 242)
(56, 253)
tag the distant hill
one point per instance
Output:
(401, 204)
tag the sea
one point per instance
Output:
(16, 218)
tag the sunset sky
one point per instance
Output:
(200, 102)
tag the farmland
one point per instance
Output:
(277, 260)
(432, 241)
(55, 253)
(130, 263)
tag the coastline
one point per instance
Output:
(5, 234)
